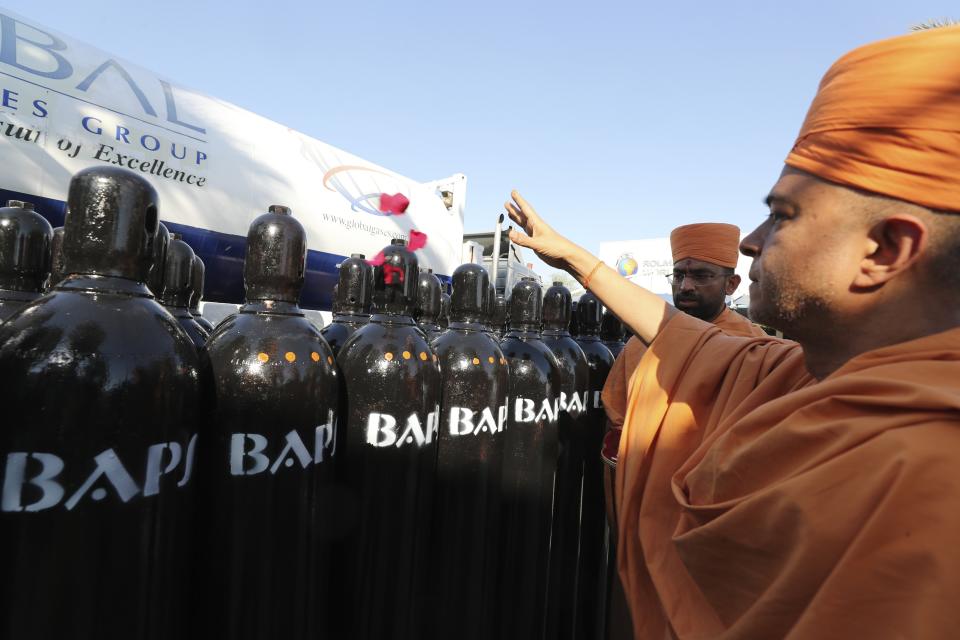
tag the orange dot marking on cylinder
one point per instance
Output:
(407, 355)
(435, 357)
(262, 357)
(388, 356)
(503, 361)
(330, 360)
(476, 361)
(290, 356)
(424, 356)
(490, 359)
(315, 356)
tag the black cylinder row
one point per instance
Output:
(425, 466)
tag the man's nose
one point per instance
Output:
(687, 283)
(752, 245)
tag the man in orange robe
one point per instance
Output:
(704, 259)
(769, 489)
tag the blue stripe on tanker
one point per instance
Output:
(222, 255)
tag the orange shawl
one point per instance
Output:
(618, 381)
(756, 502)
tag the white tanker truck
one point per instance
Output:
(65, 106)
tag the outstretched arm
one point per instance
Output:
(644, 312)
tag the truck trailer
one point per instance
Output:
(66, 105)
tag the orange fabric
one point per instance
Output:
(714, 242)
(886, 119)
(756, 502)
(618, 381)
(616, 386)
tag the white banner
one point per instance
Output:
(65, 106)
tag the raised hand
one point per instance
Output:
(644, 312)
(540, 237)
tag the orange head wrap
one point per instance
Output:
(712, 242)
(886, 119)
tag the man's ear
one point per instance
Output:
(732, 283)
(893, 245)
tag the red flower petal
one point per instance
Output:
(395, 204)
(391, 273)
(418, 240)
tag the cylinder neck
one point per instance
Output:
(104, 284)
(589, 311)
(526, 306)
(611, 329)
(429, 300)
(470, 302)
(557, 309)
(274, 266)
(177, 274)
(25, 239)
(468, 326)
(398, 319)
(197, 276)
(56, 258)
(501, 313)
(490, 306)
(158, 258)
(395, 281)
(272, 307)
(111, 224)
(354, 286)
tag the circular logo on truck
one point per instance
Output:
(363, 187)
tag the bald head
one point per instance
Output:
(830, 256)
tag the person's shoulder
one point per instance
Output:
(736, 345)
(634, 347)
(922, 456)
(733, 323)
(630, 356)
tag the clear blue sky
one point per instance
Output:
(617, 120)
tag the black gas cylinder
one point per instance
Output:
(473, 417)
(197, 275)
(501, 316)
(530, 462)
(101, 399)
(490, 311)
(391, 413)
(266, 510)
(574, 323)
(351, 301)
(25, 238)
(429, 304)
(56, 259)
(334, 303)
(155, 272)
(574, 391)
(592, 575)
(611, 332)
(444, 319)
(177, 287)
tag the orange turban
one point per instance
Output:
(712, 242)
(886, 119)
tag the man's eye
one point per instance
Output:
(776, 215)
